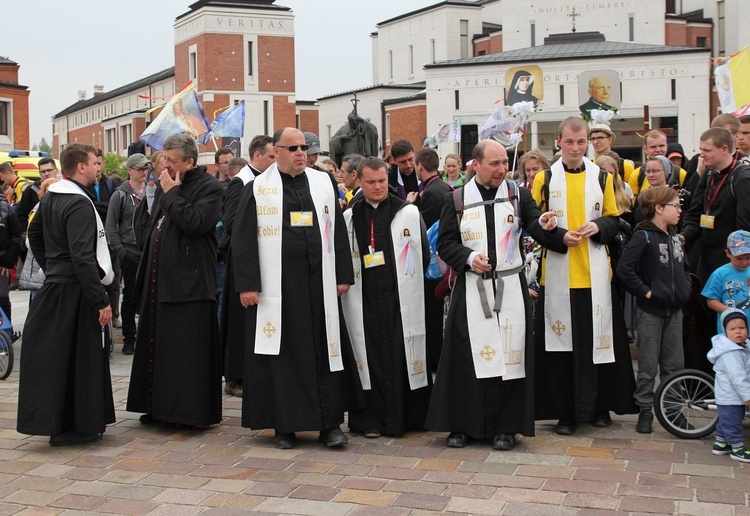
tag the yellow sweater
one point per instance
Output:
(578, 257)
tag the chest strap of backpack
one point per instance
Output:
(460, 207)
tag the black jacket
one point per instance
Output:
(655, 261)
(431, 199)
(28, 200)
(62, 236)
(187, 216)
(411, 182)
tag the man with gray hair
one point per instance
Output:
(176, 374)
(349, 166)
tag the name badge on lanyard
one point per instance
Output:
(707, 221)
(301, 219)
(375, 258)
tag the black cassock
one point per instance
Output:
(64, 381)
(391, 406)
(295, 390)
(176, 372)
(460, 401)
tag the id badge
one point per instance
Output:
(374, 260)
(301, 219)
(707, 221)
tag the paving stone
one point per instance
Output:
(545, 471)
(311, 507)
(585, 451)
(437, 464)
(646, 505)
(703, 470)
(534, 509)
(605, 475)
(580, 486)
(590, 501)
(505, 494)
(175, 468)
(388, 461)
(397, 473)
(662, 479)
(183, 496)
(135, 465)
(412, 486)
(334, 457)
(649, 466)
(701, 509)
(234, 501)
(78, 502)
(474, 506)
(273, 476)
(465, 455)
(647, 455)
(170, 509)
(90, 488)
(310, 467)
(419, 501)
(136, 492)
(35, 498)
(508, 481)
(354, 470)
(448, 477)
(487, 467)
(366, 497)
(275, 489)
(124, 477)
(174, 481)
(225, 485)
(315, 492)
(525, 458)
(368, 484)
(261, 463)
(50, 470)
(318, 479)
(133, 507)
(721, 496)
(237, 473)
(733, 484)
(36, 484)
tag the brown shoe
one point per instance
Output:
(233, 388)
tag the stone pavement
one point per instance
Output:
(173, 470)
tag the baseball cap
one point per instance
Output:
(137, 160)
(602, 128)
(313, 141)
(738, 242)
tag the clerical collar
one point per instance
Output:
(572, 170)
(373, 205)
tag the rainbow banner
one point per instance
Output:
(182, 114)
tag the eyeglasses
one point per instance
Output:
(47, 171)
(654, 171)
(293, 148)
(598, 138)
(677, 206)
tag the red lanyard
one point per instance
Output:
(372, 235)
(721, 184)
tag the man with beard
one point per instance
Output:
(292, 261)
(484, 388)
(65, 388)
(385, 308)
(402, 174)
(176, 373)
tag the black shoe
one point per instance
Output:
(565, 427)
(72, 438)
(602, 419)
(333, 437)
(645, 421)
(284, 441)
(128, 348)
(147, 419)
(504, 442)
(457, 440)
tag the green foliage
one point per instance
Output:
(114, 163)
(44, 146)
(34, 147)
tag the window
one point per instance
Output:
(125, 136)
(432, 50)
(464, 28)
(411, 60)
(193, 65)
(5, 118)
(387, 129)
(722, 28)
(533, 33)
(481, 52)
(456, 99)
(250, 58)
(390, 64)
(674, 89)
(562, 95)
(631, 27)
(701, 42)
(110, 140)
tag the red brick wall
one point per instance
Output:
(284, 113)
(276, 64)
(20, 122)
(493, 45)
(309, 120)
(693, 33)
(9, 73)
(676, 34)
(409, 123)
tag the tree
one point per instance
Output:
(34, 147)
(114, 163)
(44, 146)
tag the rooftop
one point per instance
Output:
(459, 3)
(411, 86)
(236, 4)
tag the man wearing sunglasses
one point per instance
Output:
(119, 227)
(292, 260)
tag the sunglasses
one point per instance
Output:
(293, 148)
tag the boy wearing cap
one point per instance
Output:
(727, 287)
(730, 356)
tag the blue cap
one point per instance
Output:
(738, 242)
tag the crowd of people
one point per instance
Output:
(311, 289)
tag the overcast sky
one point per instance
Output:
(66, 46)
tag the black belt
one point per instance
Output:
(500, 285)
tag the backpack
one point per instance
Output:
(5, 210)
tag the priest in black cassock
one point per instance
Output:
(65, 388)
(402, 176)
(292, 261)
(385, 309)
(430, 203)
(484, 388)
(233, 317)
(176, 373)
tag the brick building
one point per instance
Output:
(14, 108)
(233, 50)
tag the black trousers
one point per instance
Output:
(130, 300)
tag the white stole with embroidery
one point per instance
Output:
(268, 192)
(498, 344)
(246, 175)
(103, 257)
(407, 253)
(558, 321)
